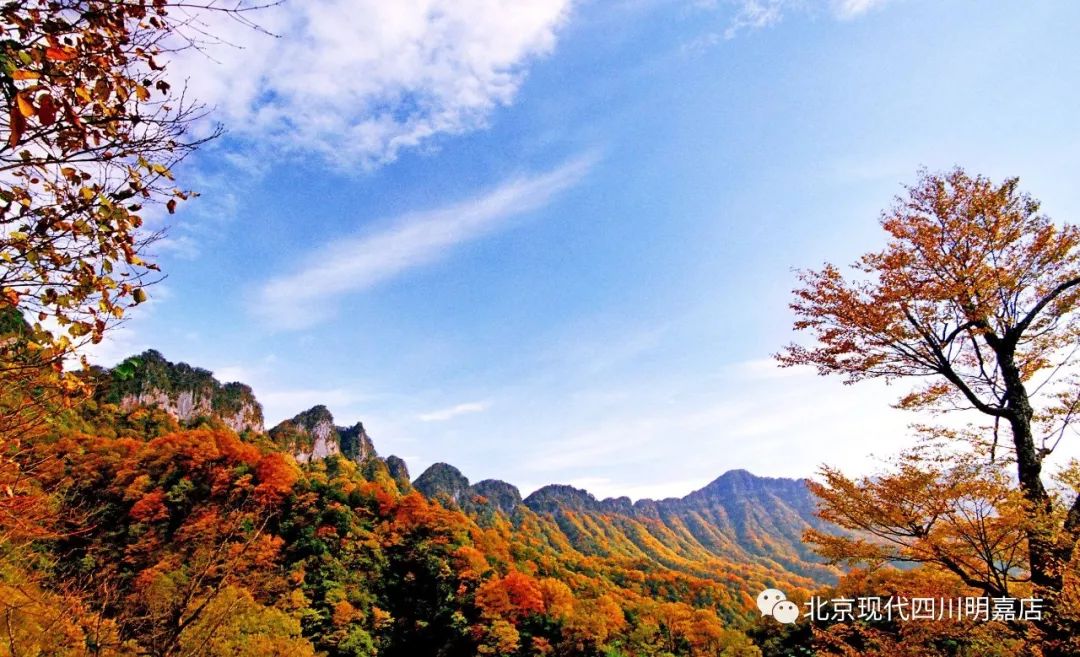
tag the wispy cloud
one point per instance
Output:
(358, 81)
(749, 15)
(358, 262)
(846, 9)
(128, 337)
(756, 14)
(742, 418)
(452, 412)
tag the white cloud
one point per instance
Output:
(129, 336)
(845, 9)
(444, 414)
(358, 81)
(757, 14)
(766, 368)
(772, 425)
(355, 263)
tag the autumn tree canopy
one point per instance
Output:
(975, 296)
(955, 512)
(90, 128)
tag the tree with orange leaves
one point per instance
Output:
(512, 597)
(91, 127)
(959, 514)
(977, 295)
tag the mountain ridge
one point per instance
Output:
(738, 518)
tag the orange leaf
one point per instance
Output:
(61, 54)
(25, 105)
(25, 75)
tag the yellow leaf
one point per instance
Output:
(161, 169)
(25, 106)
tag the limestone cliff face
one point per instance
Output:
(187, 393)
(312, 435)
(192, 394)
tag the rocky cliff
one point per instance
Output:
(313, 435)
(189, 394)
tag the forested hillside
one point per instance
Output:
(736, 519)
(135, 527)
(168, 533)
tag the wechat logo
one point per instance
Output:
(773, 602)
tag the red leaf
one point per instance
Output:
(61, 54)
(46, 112)
(17, 123)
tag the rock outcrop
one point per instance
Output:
(189, 394)
(312, 435)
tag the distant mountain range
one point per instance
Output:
(739, 517)
(738, 522)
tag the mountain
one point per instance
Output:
(312, 435)
(737, 521)
(445, 483)
(499, 494)
(187, 393)
(399, 472)
(375, 563)
(739, 518)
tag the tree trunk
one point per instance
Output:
(1045, 550)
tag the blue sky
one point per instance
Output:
(553, 241)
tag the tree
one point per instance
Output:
(956, 512)
(948, 636)
(91, 129)
(976, 295)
